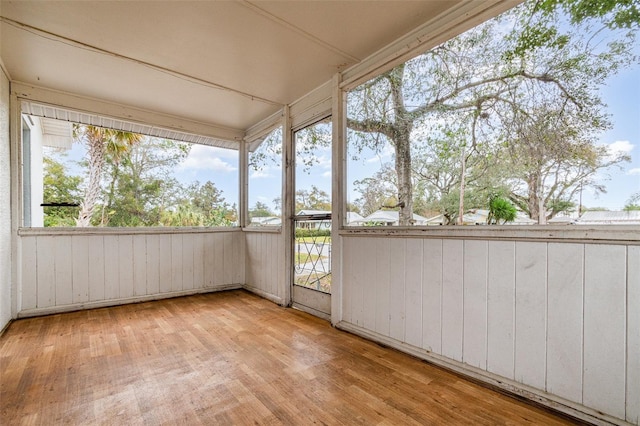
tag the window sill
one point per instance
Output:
(24, 232)
(605, 234)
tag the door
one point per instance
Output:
(311, 260)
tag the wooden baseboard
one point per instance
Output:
(124, 301)
(271, 297)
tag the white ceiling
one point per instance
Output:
(229, 63)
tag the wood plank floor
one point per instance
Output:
(227, 358)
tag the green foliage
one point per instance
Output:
(314, 199)
(501, 211)
(613, 13)
(59, 187)
(260, 210)
(631, 207)
(308, 233)
(137, 189)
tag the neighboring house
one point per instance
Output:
(353, 218)
(609, 218)
(309, 224)
(322, 219)
(388, 218)
(479, 217)
(266, 221)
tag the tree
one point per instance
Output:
(315, 199)
(452, 176)
(378, 191)
(552, 158)
(631, 207)
(141, 186)
(59, 187)
(100, 142)
(501, 211)
(260, 210)
(207, 199)
(478, 76)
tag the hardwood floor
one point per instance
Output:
(227, 358)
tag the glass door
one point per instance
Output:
(312, 220)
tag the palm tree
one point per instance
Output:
(100, 142)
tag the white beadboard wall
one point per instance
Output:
(265, 266)
(561, 320)
(71, 271)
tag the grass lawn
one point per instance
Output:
(302, 258)
(317, 240)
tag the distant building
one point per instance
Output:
(388, 218)
(609, 218)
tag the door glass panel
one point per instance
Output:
(312, 222)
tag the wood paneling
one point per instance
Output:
(382, 282)
(227, 358)
(397, 287)
(264, 262)
(474, 348)
(432, 296)
(633, 336)
(605, 328)
(452, 298)
(73, 270)
(500, 308)
(562, 318)
(565, 320)
(413, 292)
(531, 314)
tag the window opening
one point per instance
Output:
(525, 119)
(265, 180)
(83, 175)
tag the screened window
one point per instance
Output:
(525, 119)
(265, 180)
(80, 175)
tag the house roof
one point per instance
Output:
(219, 64)
(389, 216)
(609, 218)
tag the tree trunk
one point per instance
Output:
(405, 186)
(462, 187)
(533, 200)
(92, 191)
(401, 137)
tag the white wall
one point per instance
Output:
(559, 319)
(66, 270)
(265, 264)
(5, 204)
(36, 173)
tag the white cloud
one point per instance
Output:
(623, 147)
(214, 151)
(327, 174)
(618, 148)
(634, 172)
(259, 174)
(209, 158)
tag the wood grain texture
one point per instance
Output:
(72, 270)
(227, 358)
